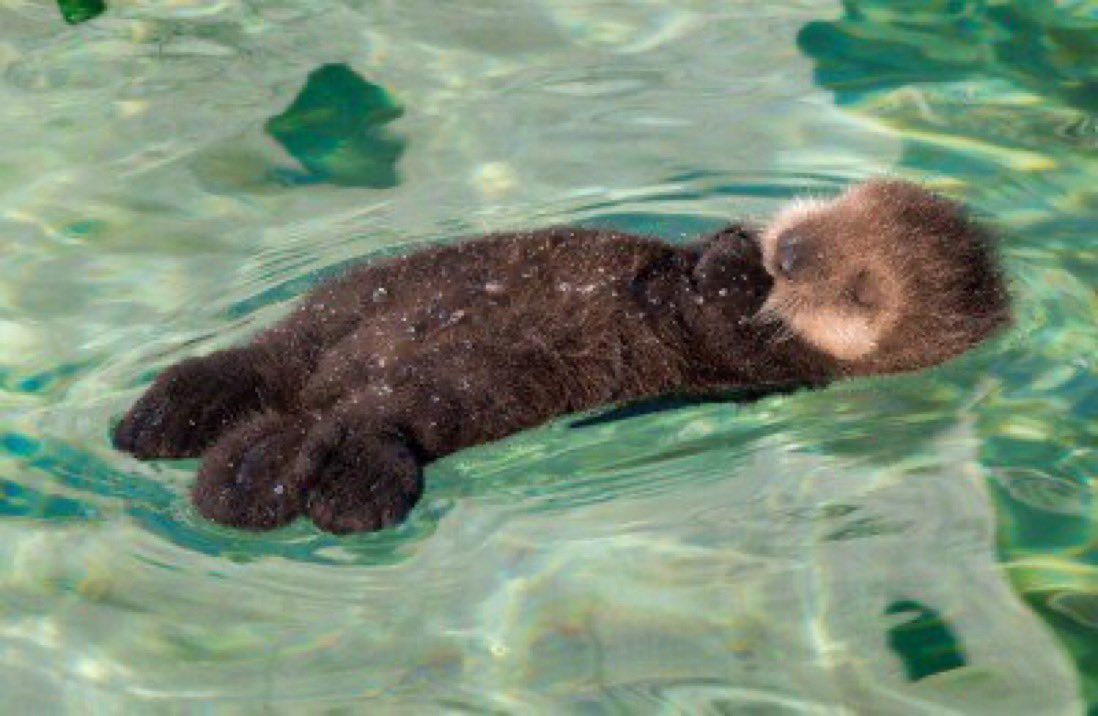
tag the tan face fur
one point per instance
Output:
(885, 277)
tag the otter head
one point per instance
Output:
(887, 277)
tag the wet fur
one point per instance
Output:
(333, 412)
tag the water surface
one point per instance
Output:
(173, 173)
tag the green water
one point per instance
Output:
(173, 172)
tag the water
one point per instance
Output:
(925, 544)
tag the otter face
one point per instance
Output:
(887, 277)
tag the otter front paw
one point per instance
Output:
(190, 405)
(246, 481)
(362, 479)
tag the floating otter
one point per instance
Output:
(334, 411)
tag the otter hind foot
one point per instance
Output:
(246, 481)
(191, 404)
(363, 478)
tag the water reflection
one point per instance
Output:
(77, 11)
(884, 45)
(718, 556)
(336, 129)
(925, 641)
(996, 100)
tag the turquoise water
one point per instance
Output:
(173, 172)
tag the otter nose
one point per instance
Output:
(791, 254)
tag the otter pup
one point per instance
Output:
(334, 411)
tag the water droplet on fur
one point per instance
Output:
(279, 489)
(722, 292)
(454, 317)
(564, 286)
(493, 287)
(380, 293)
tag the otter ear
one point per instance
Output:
(730, 256)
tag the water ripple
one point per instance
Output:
(714, 557)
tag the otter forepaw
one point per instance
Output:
(190, 405)
(362, 479)
(246, 481)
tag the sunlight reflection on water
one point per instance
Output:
(716, 556)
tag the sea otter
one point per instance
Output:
(334, 411)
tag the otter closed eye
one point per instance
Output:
(864, 290)
(333, 412)
(791, 254)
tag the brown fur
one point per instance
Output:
(334, 411)
(912, 282)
